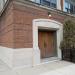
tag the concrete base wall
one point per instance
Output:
(16, 57)
(23, 57)
(6, 55)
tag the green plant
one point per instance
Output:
(68, 35)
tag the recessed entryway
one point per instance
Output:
(47, 35)
(47, 43)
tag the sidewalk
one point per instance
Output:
(69, 70)
(46, 69)
(5, 70)
(52, 68)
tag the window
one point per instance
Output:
(36, 1)
(50, 3)
(53, 3)
(69, 7)
(45, 2)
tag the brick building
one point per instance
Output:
(31, 30)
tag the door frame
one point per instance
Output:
(48, 25)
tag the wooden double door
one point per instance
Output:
(46, 42)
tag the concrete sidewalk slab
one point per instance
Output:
(45, 69)
(69, 70)
(51, 68)
(5, 70)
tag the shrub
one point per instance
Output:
(68, 35)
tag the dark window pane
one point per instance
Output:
(53, 1)
(53, 5)
(50, 3)
(45, 2)
(71, 8)
(74, 9)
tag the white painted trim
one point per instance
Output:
(45, 24)
(59, 4)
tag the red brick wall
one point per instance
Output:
(6, 27)
(23, 18)
(16, 24)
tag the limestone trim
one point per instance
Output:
(50, 25)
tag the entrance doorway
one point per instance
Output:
(47, 43)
